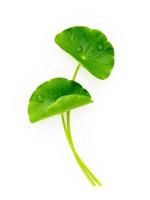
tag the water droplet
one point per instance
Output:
(83, 57)
(79, 49)
(40, 98)
(100, 47)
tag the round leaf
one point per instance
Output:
(56, 96)
(90, 48)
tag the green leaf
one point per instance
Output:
(90, 48)
(56, 96)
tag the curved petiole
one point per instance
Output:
(81, 162)
(90, 176)
(74, 151)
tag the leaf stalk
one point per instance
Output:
(87, 172)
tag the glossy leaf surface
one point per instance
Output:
(56, 96)
(90, 48)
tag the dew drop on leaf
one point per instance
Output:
(79, 49)
(40, 98)
(100, 47)
(83, 57)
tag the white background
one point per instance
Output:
(112, 135)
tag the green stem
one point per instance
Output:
(76, 71)
(83, 165)
(74, 151)
(90, 176)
